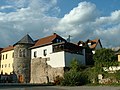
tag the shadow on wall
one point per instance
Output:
(5, 78)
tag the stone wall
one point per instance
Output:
(41, 72)
(21, 65)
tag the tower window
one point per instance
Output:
(22, 53)
(45, 52)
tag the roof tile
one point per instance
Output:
(47, 40)
(7, 48)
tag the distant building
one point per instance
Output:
(22, 59)
(39, 61)
(7, 56)
(90, 47)
(55, 47)
(56, 53)
(94, 44)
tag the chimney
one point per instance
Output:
(54, 33)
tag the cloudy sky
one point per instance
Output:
(82, 19)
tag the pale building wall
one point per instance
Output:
(40, 50)
(118, 58)
(57, 59)
(7, 63)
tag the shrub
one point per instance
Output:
(73, 78)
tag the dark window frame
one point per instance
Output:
(35, 53)
(45, 52)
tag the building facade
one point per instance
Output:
(7, 56)
(22, 59)
(39, 61)
(54, 54)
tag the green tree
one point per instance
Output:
(104, 58)
(75, 65)
(74, 76)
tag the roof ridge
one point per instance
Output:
(25, 40)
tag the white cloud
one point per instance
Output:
(84, 12)
(78, 21)
(31, 19)
(5, 7)
(37, 18)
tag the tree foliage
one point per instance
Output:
(105, 58)
(74, 76)
(74, 65)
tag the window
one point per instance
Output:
(0, 56)
(3, 57)
(45, 52)
(35, 54)
(6, 56)
(9, 65)
(13, 55)
(2, 66)
(24, 53)
(20, 53)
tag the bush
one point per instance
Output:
(75, 75)
(73, 78)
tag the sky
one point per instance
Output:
(82, 19)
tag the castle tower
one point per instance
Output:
(22, 59)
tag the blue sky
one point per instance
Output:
(105, 6)
(82, 19)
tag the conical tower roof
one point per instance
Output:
(26, 40)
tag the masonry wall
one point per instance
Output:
(41, 72)
(22, 63)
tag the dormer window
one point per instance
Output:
(57, 40)
(89, 44)
(81, 45)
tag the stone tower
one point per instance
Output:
(22, 59)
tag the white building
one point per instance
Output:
(58, 50)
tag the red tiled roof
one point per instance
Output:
(1, 49)
(46, 40)
(7, 48)
(94, 43)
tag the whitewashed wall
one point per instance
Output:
(40, 50)
(57, 59)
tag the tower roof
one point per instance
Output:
(25, 40)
